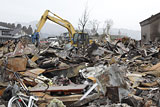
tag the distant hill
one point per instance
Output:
(52, 29)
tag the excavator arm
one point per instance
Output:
(54, 18)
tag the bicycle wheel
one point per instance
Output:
(17, 102)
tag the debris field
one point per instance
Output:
(103, 74)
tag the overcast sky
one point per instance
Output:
(124, 13)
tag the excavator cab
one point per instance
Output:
(80, 39)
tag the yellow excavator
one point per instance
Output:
(76, 38)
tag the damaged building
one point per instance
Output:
(150, 29)
(5, 34)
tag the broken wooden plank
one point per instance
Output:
(35, 57)
(153, 68)
(68, 98)
(34, 72)
(74, 88)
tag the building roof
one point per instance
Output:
(4, 28)
(150, 19)
(6, 36)
(19, 36)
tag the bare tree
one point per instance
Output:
(19, 26)
(107, 26)
(83, 20)
(24, 28)
(29, 30)
(94, 26)
(106, 29)
(13, 25)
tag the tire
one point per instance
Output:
(14, 102)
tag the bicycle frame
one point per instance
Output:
(22, 97)
(30, 100)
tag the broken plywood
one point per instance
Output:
(17, 64)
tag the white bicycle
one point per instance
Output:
(22, 101)
(19, 99)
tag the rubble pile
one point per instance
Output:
(109, 74)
